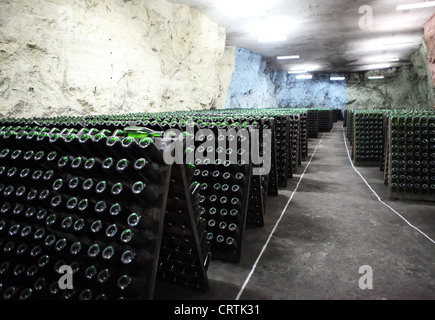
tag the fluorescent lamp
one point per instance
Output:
(382, 59)
(288, 57)
(378, 66)
(304, 77)
(297, 71)
(272, 29)
(375, 77)
(390, 60)
(418, 5)
(337, 78)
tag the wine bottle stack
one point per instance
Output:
(345, 118)
(325, 120)
(295, 142)
(313, 123)
(350, 131)
(337, 115)
(223, 199)
(272, 188)
(385, 134)
(411, 170)
(185, 250)
(257, 202)
(255, 189)
(303, 136)
(402, 143)
(282, 131)
(225, 120)
(85, 200)
(215, 137)
(368, 138)
(225, 185)
(258, 190)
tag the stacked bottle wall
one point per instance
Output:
(411, 147)
(313, 123)
(368, 138)
(402, 143)
(185, 231)
(84, 199)
(325, 120)
(185, 250)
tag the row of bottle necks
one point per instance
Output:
(84, 157)
(87, 147)
(47, 287)
(25, 260)
(422, 188)
(94, 249)
(61, 244)
(222, 197)
(112, 168)
(60, 187)
(74, 161)
(64, 201)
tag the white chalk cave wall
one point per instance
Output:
(65, 57)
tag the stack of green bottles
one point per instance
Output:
(368, 138)
(88, 199)
(411, 170)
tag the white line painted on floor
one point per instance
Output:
(380, 200)
(276, 224)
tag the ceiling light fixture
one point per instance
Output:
(272, 29)
(337, 78)
(418, 5)
(297, 71)
(304, 77)
(375, 77)
(288, 57)
(391, 60)
(385, 59)
(379, 66)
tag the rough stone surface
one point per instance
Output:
(429, 37)
(254, 85)
(225, 68)
(406, 87)
(319, 92)
(63, 57)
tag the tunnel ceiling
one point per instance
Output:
(329, 36)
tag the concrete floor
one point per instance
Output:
(332, 226)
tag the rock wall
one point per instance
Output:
(408, 87)
(319, 92)
(62, 57)
(254, 85)
(429, 37)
